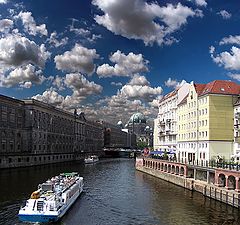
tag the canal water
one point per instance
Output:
(115, 194)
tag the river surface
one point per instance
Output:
(115, 194)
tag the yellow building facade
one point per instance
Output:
(205, 122)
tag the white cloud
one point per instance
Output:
(235, 76)
(139, 88)
(3, 1)
(30, 24)
(225, 14)
(230, 60)
(53, 40)
(24, 76)
(126, 65)
(59, 82)
(81, 86)
(140, 20)
(5, 25)
(139, 81)
(16, 51)
(230, 40)
(79, 59)
(174, 83)
(211, 49)
(201, 2)
(51, 97)
(116, 83)
(83, 33)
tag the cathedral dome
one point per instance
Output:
(137, 118)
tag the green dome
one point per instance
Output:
(137, 118)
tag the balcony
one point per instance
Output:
(161, 133)
(161, 123)
(168, 120)
(237, 115)
(237, 139)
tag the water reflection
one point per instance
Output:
(115, 194)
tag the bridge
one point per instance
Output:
(122, 152)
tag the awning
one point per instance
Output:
(157, 152)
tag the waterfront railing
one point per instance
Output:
(205, 163)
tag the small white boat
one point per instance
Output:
(91, 159)
(52, 199)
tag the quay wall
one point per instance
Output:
(230, 197)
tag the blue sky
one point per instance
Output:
(111, 58)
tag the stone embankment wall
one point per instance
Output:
(231, 197)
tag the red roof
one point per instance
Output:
(172, 93)
(219, 87)
(199, 88)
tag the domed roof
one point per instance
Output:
(119, 122)
(137, 118)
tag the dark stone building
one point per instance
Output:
(34, 133)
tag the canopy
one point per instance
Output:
(157, 152)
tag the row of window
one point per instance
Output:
(192, 125)
(193, 114)
(39, 158)
(202, 155)
(192, 145)
(202, 134)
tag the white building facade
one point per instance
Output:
(165, 125)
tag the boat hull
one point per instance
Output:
(38, 218)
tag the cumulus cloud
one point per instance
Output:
(235, 76)
(174, 83)
(30, 24)
(225, 14)
(230, 60)
(16, 51)
(201, 2)
(230, 40)
(139, 88)
(81, 86)
(53, 40)
(3, 1)
(59, 82)
(79, 59)
(24, 77)
(125, 65)
(51, 97)
(5, 25)
(140, 20)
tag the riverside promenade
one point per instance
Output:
(221, 184)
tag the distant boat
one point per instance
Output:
(91, 159)
(52, 199)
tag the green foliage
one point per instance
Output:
(165, 155)
(142, 144)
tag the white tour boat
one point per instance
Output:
(52, 199)
(91, 159)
